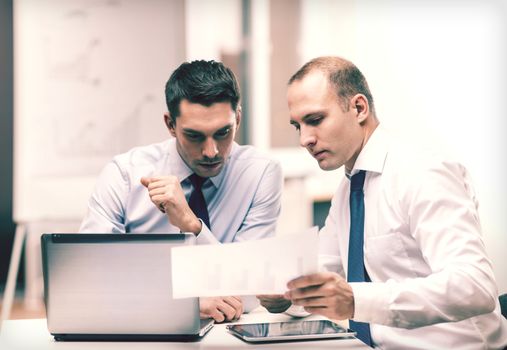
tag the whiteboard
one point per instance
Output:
(89, 83)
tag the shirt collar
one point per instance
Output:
(180, 169)
(374, 153)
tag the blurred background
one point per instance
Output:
(83, 80)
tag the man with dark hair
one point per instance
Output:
(199, 181)
(401, 246)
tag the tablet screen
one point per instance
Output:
(292, 330)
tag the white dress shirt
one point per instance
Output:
(432, 283)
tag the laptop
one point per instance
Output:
(116, 287)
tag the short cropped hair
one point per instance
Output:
(202, 82)
(343, 75)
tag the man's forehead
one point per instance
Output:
(308, 97)
(313, 83)
(207, 124)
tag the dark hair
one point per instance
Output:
(342, 74)
(202, 82)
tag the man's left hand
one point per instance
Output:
(323, 293)
(274, 303)
(221, 308)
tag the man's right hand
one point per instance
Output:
(167, 195)
(274, 303)
(221, 308)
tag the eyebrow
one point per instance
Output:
(196, 132)
(225, 128)
(307, 116)
(311, 115)
(192, 131)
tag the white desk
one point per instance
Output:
(33, 334)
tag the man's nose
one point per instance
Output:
(306, 137)
(210, 149)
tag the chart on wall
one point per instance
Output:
(89, 84)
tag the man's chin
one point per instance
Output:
(327, 166)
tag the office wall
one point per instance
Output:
(438, 74)
(89, 84)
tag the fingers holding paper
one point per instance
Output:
(221, 308)
(323, 293)
(274, 303)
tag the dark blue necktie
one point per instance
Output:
(196, 202)
(356, 270)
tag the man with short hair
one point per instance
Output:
(402, 243)
(198, 181)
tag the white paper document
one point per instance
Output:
(245, 268)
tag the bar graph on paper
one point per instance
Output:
(247, 268)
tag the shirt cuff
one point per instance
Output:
(250, 302)
(205, 236)
(370, 302)
(297, 311)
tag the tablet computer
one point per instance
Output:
(289, 331)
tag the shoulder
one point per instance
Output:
(144, 155)
(143, 160)
(413, 157)
(414, 166)
(249, 156)
(253, 168)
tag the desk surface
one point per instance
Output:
(33, 334)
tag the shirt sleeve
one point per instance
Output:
(106, 212)
(329, 251)
(441, 213)
(250, 302)
(205, 236)
(297, 311)
(260, 222)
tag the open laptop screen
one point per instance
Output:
(115, 285)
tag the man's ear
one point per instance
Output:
(170, 124)
(360, 103)
(238, 117)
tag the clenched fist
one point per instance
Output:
(167, 195)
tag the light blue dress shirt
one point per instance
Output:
(243, 199)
